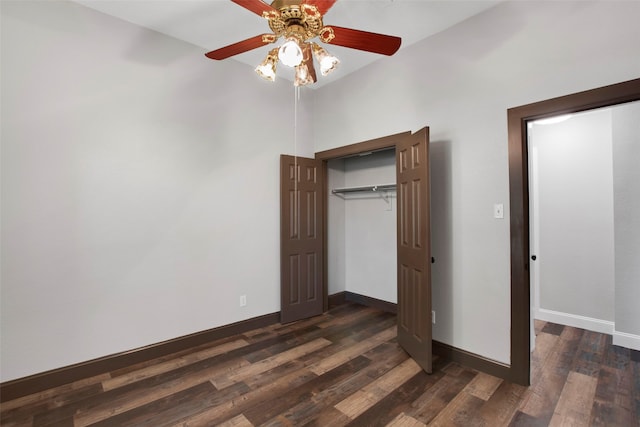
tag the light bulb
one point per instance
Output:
(290, 53)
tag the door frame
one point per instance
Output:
(517, 118)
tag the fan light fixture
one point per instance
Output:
(299, 22)
(291, 54)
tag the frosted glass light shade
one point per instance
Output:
(267, 69)
(303, 77)
(327, 61)
(290, 53)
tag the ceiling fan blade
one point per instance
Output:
(256, 6)
(362, 40)
(322, 5)
(241, 47)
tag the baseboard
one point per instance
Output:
(443, 350)
(35, 383)
(576, 321)
(624, 339)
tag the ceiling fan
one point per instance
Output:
(300, 21)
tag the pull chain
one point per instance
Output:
(296, 175)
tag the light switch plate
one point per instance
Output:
(498, 210)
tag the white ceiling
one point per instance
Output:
(211, 24)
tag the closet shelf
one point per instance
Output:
(372, 188)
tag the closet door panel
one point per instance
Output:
(301, 238)
(414, 251)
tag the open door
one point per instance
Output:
(414, 247)
(301, 238)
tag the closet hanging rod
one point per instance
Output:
(382, 187)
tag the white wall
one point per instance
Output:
(626, 158)
(574, 198)
(460, 82)
(132, 171)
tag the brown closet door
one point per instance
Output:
(301, 238)
(414, 251)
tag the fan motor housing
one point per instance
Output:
(295, 18)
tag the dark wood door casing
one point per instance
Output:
(414, 247)
(517, 118)
(301, 238)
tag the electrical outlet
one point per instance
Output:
(433, 317)
(243, 300)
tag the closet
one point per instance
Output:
(337, 231)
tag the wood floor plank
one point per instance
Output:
(170, 365)
(483, 386)
(345, 337)
(320, 406)
(553, 329)
(404, 420)
(169, 409)
(458, 412)
(604, 411)
(399, 401)
(371, 394)
(341, 334)
(68, 391)
(67, 395)
(237, 405)
(503, 403)
(437, 398)
(348, 316)
(520, 419)
(551, 374)
(266, 410)
(545, 345)
(361, 328)
(576, 401)
(589, 354)
(238, 421)
(569, 343)
(352, 352)
(131, 398)
(228, 378)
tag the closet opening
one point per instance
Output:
(361, 226)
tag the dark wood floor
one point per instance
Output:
(345, 368)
